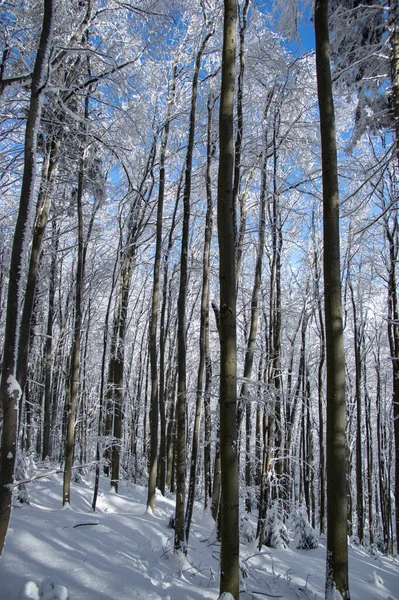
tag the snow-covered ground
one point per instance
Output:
(121, 552)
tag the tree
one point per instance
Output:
(230, 546)
(154, 316)
(337, 551)
(10, 390)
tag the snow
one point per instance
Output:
(10, 455)
(13, 386)
(123, 552)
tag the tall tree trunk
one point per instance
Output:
(72, 401)
(163, 334)
(230, 544)
(9, 388)
(204, 325)
(49, 173)
(244, 401)
(320, 371)
(182, 528)
(337, 550)
(370, 457)
(47, 449)
(243, 18)
(392, 234)
(358, 399)
(211, 149)
(101, 390)
(153, 466)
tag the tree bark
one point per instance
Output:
(9, 395)
(337, 550)
(153, 467)
(230, 545)
(72, 401)
(180, 529)
(204, 326)
(211, 148)
(46, 451)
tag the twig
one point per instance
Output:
(50, 473)
(268, 595)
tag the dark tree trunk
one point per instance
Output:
(72, 401)
(47, 450)
(211, 148)
(392, 234)
(230, 545)
(10, 390)
(154, 414)
(49, 173)
(244, 401)
(180, 536)
(358, 397)
(204, 326)
(337, 550)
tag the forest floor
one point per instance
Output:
(122, 552)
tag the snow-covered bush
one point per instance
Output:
(305, 538)
(247, 532)
(21, 493)
(76, 476)
(276, 533)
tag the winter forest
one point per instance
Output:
(199, 241)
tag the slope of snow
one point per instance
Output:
(122, 552)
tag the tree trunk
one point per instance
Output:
(392, 234)
(211, 149)
(204, 326)
(72, 401)
(358, 400)
(243, 17)
(152, 475)
(337, 550)
(320, 370)
(244, 400)
(230, 545)
(49, 347)
(180, 538)
(9, 392)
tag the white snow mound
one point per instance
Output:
(375, 579)
(30, 591)
(50, 590)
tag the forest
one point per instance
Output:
(199, 241)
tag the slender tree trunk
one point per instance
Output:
(164, 327)
(211, 149)
(49, 173)
(180, 537)
(392, 234)
(370, 458)
(337, 550)
(152, 476)
(244, 401)
(320, 371)
(358, 399)
(72, 401)
(230, 545)
(49, 346)
(243, 18)
(9, 388)
(204, 326)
